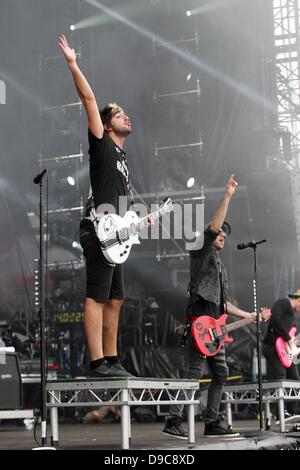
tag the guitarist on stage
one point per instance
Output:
(109, 178)
(208, 296)
(281, 322)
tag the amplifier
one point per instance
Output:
(10, 382)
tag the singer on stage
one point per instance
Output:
(208, 295)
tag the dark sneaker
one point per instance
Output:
(106, 371)
(118, 368)
(173, 428)
(216, 430)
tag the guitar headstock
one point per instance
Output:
(265, 314)
(168, 205)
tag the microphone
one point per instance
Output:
(37, 179)
(242, 246)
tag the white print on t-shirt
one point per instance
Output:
(122, 167)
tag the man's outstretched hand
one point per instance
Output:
(69, 53)
(231, 186)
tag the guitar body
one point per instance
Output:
(285, 353)
(209, 334)
(114, 249)
(118, 234)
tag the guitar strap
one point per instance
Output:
(185, 333)
(90, 211)
(222, 296)
(131, 194)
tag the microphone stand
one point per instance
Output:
(42, 315)
(42, 320)
(258, 336)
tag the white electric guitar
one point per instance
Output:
(118, 234)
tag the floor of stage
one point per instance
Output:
(146, 436)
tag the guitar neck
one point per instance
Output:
(155, 215)
(126, 232)
(239, 324)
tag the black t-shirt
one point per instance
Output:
(109, 173)
(281, 321)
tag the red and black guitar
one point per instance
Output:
(209, 334)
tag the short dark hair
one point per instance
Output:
(108, 112)
(226, 228)
(295, 295)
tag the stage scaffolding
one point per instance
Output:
(286, 52)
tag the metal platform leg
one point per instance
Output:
(281, 409)
(125, 419)
(268, 415)
(129, 425)
(54, 397)
(191, 424)
(229, 412)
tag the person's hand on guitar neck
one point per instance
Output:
(150, 221)
(264, 314)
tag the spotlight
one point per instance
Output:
(71, 180)
(188, 13)
(190, 182)
(188, 77)
(76, 245)
(72, 27)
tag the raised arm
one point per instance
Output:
(221, 211)
(83, 88)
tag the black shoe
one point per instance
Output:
(117, 367)
(173, 428)
(106, 371)
(216, 430)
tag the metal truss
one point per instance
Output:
(248, 393)
(135, 397)
(295, 184)
(87, 393)
(286, 47)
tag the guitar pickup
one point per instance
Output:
(210, 332)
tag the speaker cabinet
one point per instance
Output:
(10, 382)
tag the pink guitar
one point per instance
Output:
(287, 353)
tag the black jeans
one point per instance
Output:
(219, 372)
